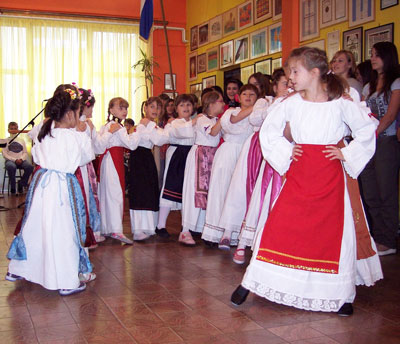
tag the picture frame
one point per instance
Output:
(245, 73)
(201, 63)
(259, 43)
(263, 67)
(353, 41)
(277, 10)
(226, 54)
(361, 11)
(332, 12)
(209, 81)
(388, 3)
(309, 23)
(167, 81)
(383, 33)
(196, 89)
(275, 64)
(172, 95)
(275, 38)
(320, 44)
(215, 27)
(332, 43)
(203, 34)
(262, 10)
(194, 38)
(245, 15)
(192, 66)
(241, 51)
(212, 59)
(229, 22)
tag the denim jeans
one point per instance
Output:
(11, 168)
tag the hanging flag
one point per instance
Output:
(146, 18)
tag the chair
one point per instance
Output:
(18, 176)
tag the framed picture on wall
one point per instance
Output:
(262, 10)
(192, 66)
(203, 34)
(361, 11)
(332, 12)
(194, 38)
(309, 26)
(245, 73)
(388, 3)
(168, 83)
(196, 89)
(352, 41)
(275, 64)
(226, 54)
(229, 22)
(382, 33)
(209, 81)
(201, 63)
(258, 43)
(215, 27)
(320, 44)
(275, 38)
(263, 66)
(212, 59)
(245, 15)
(332, 43)
(277, 10)
(241, 52)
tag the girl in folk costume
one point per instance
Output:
(86, 176)
(225, 159)
(306, 256)
(48, 250)
(181, 139)
(247, 166)
(143, 180)
(198, 167)
(268, 183)
(111, 169)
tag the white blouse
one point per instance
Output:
(235, 132)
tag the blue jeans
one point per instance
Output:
(11, 168)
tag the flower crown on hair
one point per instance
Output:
(73, 94)
(87, 103)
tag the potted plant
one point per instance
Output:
(147, 64)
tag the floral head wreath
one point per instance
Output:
(87, 103)
(73, 94)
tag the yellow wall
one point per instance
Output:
(200, 11)
(386, 16)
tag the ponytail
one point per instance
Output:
(335, 85)
(45, 130)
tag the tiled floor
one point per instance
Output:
(161, 292)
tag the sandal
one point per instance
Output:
(224, 244)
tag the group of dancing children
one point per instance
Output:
(273, 173)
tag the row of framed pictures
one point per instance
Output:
(323, 13)
(242, 16)
(266, 67)
(265, 41)
(353, 41)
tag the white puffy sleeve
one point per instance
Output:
(130, 141)
(100, 139)
(204, 125)
(180, 129)
(233, 128)
(156, 135)
(85, 147)
(277, 150)
(256, 118)
(361, 149)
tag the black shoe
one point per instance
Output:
(162, 233)
(13, 191)
(20, 188)
(195, 234)
(210, 244)
(345, 310)
(239, 295)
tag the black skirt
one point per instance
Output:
(143, 180)
(175, 174)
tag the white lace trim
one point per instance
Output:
(319, 305)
